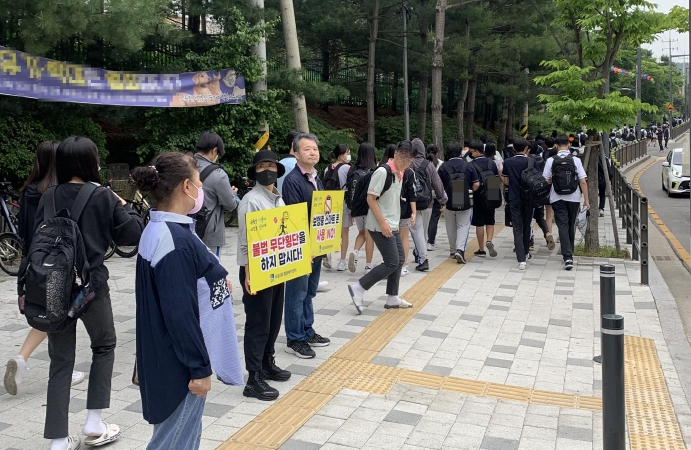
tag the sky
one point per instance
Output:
(659, 47)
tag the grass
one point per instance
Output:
(605, 251)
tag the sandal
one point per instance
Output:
(74, 442)
(111, 434)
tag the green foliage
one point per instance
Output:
(678, 18)
(290, 81)
(390, 130)
(577, 102)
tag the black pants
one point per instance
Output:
(539, 216)
(521, 217)
(391, 250)
(98, 321)
(602, 194)
(565, 216)
(434, 222)
(263, 316)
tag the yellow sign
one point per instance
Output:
(262, 141)
(278, 245)
(326, 221)
(670, 107)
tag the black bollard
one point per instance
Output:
(607, 295)
(613, 400)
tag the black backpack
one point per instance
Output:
(204, 215)
(355, 174)
(423, 187)
(491, 186)
(564, 175)
(360, 206)
(56, 276)
(331, 180)
(534, 188)
(460, 193)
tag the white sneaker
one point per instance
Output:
(322, 286)
(357, 296)
(16, 367)
(404, 271)
(326, 261)
(431, 247)
(602, 213)
(521, 266)
(352, 261)
(368, 269)
(400, 304)
(77, 377)
(342, 265)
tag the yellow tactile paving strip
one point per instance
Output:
(651, 420)
(673, 241)
(350, 368)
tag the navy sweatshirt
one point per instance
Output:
(297, 188)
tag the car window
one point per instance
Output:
(676, 158)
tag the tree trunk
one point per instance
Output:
(460, 113)
(592, 235)
(260, 51)
(437, 69)
(501, 135)
(373, 30)
(423, 79)
(470, 107)
(290, 36)
(394, 92)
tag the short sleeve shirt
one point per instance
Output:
(547, 173)
(513, 168)
(389, 202)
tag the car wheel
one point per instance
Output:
(663, 184)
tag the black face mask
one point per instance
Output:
(267, 177)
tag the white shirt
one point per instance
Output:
(547, 173)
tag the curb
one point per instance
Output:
(635, 164)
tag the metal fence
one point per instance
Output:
(681, 129)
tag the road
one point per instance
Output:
(674, 211)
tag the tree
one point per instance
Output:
(290, 35)
(371, 66)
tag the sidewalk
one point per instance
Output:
(490, 357)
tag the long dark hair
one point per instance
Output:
(43, 171)
(365, 156)
(388, 153)
(77, 156)
(432, 151)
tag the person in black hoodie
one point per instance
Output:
(42, 177)
(106, 218)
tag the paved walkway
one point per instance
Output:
(490, 358)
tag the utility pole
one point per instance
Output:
(290, 35)
(671, 91)
(523, 131)
(638, 94)
(406, 100)
(260, 51)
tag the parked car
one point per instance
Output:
(673, 180)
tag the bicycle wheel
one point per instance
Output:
(110, 251)
(127, 251)
(231, 217)
(10, 253)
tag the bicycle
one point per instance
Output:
(140, 205)
(10, 243)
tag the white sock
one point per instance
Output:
(393, 300)
(59, 444)
(357, 252)
(94, 426)
(358, 289)
(21, 369)
(368, 265)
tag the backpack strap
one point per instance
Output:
(80, 202)
(389, 178)
(49, 205)
(207, 171)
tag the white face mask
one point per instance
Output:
(348, 158)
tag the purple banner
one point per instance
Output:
(23, 75)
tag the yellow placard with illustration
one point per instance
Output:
(326, 221)
(278, 245)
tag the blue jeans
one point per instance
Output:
(183, 429)
(299, 316)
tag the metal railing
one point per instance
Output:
(680, 129)
(628, 152)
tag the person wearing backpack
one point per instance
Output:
(459, 178)
(363, 166)
(288, 160)
(568, 179)
(335, 179)
(219, 195)
(101, 218)
(383, 218)
(42, 177)
(432, 152)
(521, 209)
(426, 181)
(486, 200)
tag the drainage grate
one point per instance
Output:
(662, 258)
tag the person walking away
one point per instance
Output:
(660, 134)
(102, 217)
(539, 211)
(335, 178)
(602, 183)
(288, 160)
(666, 136)
(42, 177)
(263, 308)
(383, 217)
(364, 164)
(432, 152)
(521, 210)
(180, 289)
(508, 151)
(486, 200)
(426, 180)
(568, 179)
(218, 194)
(459, 178)
(298, 187)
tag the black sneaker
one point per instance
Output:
(480, 253)
(258, 388)
(423, 267)
(271, 371)
(459, 256)
(300, 349)
(568, 264)
(318, 341)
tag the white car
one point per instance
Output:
(673, 180)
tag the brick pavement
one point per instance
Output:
(536, 330)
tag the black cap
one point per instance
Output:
(265, 156)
